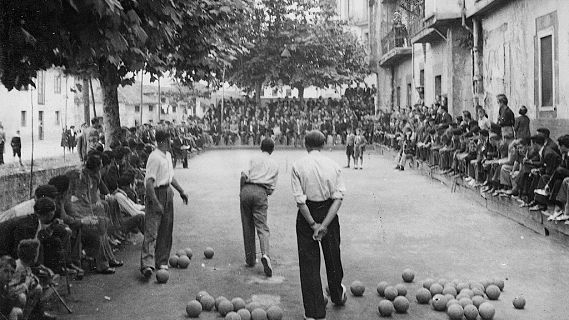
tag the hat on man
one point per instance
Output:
(46, 190)
(314, 139)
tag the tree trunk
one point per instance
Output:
(93, 98)
(258, 88)
(85, 92)
(109, 81)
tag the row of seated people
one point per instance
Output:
(533, 170)
(77, 217)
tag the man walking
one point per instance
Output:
(159, 221)
(318, 190)
(257, 184)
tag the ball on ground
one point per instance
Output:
(519, 302)
(427, 283)
(224, 307)
(408, 275)
(461, 286)
(423, 296)
(357, 288)
(401, 289)
(173, 261)
(253, 305)
(470, 312)
(244, 314)
(390, 293)
(201, 294)
(436, 289)
(162, 276)
(183, 262)
(477, 301)
(443, 282)
(238, 303)
(486, 311)
(439, 302)
(208, 253)
(381, 288)
(218, 300)
(181, 252)
(232, 316)
(259, 314)
(208, 302)
(275, 313)
(493, 292)
(499, 283)
(386, 308)
(452, 301)
(193, 309)
(455, 312)
(465, 301)
(450, 290)
(401, 304)
(189, 252)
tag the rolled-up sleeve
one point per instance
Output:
(297, 190)
(340, 188)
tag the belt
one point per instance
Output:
(256, 184)
(162, 186)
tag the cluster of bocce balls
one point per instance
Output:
(236, 309)
(459, 299)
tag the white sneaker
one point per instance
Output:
(268, 268)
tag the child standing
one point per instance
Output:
(359, 148)
(350, 146)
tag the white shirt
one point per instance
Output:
(316, 178)
(263, 170)
(127, 206)
(159, 167)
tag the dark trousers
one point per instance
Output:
(2, 152)
(309, 260)
(158, 229)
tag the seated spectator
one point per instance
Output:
(554, 183)
(9, 304)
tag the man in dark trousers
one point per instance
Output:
(318, 189)
(257, 183)
(16, 145)
(159, 217)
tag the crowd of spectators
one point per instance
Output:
(502, 159)
(287, 120)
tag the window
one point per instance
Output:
(409, 88)
(41, 87)
(546, 79)
(136, 108)
(57, 119)
(150, 108)
(422, 78)
(438, 86)
(57, 83)
(40, 125)
(23, 120)
(174, 109)
(398, 93)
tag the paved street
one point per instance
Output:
(390, 221)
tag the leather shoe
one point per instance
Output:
(107, 271)
(115, 263)
(47, 316)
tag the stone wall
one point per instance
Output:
(16, 187)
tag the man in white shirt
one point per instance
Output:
(257, 184)
(318, 189)
(159, 220)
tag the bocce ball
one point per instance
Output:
(401, 304)
(275, 313)
(259, 314)
(189, 252)
(499, 283)
(183, 262)
(401, 289)
(244, 314)
(493, 292)
(253, 305)
(439, 302)
(436, 289)
(238, 303)
(519, 302)
(465, 301)
(452, 301)
(455, 312)
(381, 288)
(357, 288)
(181, 252)
(173, 261)
(470, 312)
(423, 296)
(162, 276)
(386, 308)
(477, 301)
(201, 294)
(408, 275)
(450, 290)
(208, 253)
(486, 311)
(427, 283)
(232, 316)
(208, 302)
(224, 307)
(390, 293)
(193, 309)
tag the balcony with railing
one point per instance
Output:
(430, 18)
(395, 46)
